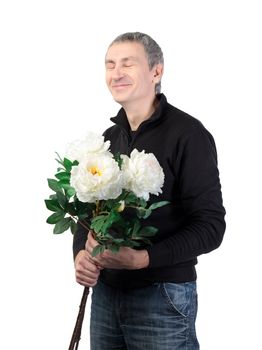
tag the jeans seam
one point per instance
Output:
(169, 301)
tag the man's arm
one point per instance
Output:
(200, 191)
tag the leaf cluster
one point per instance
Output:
(111, 228)
(64, 204)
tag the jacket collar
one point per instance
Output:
(121, 118)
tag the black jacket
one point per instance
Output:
(193, 223)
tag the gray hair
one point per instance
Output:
(152, 49)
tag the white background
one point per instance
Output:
(52, 91)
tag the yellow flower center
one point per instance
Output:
(95, 171)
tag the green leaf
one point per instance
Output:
(52, 205)
(62, 225)
(67, 164)
(148, 231)
(63, 175)
(98, 222)
(142, 203)
(54, 185)
(54, 218)
(73, 227)
(102, 223)
(70, 192)
(64, 184)
(99, 249)
(132, 244)
(143, 213)
(114, 248)
(136, 227)
(53, 196)
(59, 160)
(110, 204)
(118, 240)
(112, 218)
(158, 205)
(62, 200)
(118, 159)
(130, 198)
(122, 196)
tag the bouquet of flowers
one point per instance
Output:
(94, 188)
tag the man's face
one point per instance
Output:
(127, 73)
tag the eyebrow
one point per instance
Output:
(125, 59)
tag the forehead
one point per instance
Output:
(124, 50)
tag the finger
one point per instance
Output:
(87, 282)
(87, 275)
(89, 249)
(90, 240)
(82, 263)
(98, 260)
(87, 265)
(89, 246)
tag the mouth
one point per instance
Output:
(120, 86)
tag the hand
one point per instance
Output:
(86, 271)
(126, 258)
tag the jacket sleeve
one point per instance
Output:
(200, 192)
(79, 240)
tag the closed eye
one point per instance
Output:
(110, 66)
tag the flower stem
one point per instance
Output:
(80, 222)
(85, 226)
(97, 208)
(78, 326)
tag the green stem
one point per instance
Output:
(135, 207)
(97, 208)
(80, 222)
(86, 227)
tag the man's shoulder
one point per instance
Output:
(181, 121)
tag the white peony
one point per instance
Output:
(143, 174)
(97, 177)
(91, 143)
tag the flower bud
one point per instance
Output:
(121, 206)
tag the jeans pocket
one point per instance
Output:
(177, 297)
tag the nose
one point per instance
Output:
(117, 73)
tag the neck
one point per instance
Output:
(139, 112)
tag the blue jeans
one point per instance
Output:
(158, 317)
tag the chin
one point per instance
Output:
(119, 99)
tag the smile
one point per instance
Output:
(120, 86)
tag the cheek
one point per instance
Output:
(107, 79)
(146, 82)
(145, 77)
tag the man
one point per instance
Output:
(147, 298)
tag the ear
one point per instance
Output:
(158, 71)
